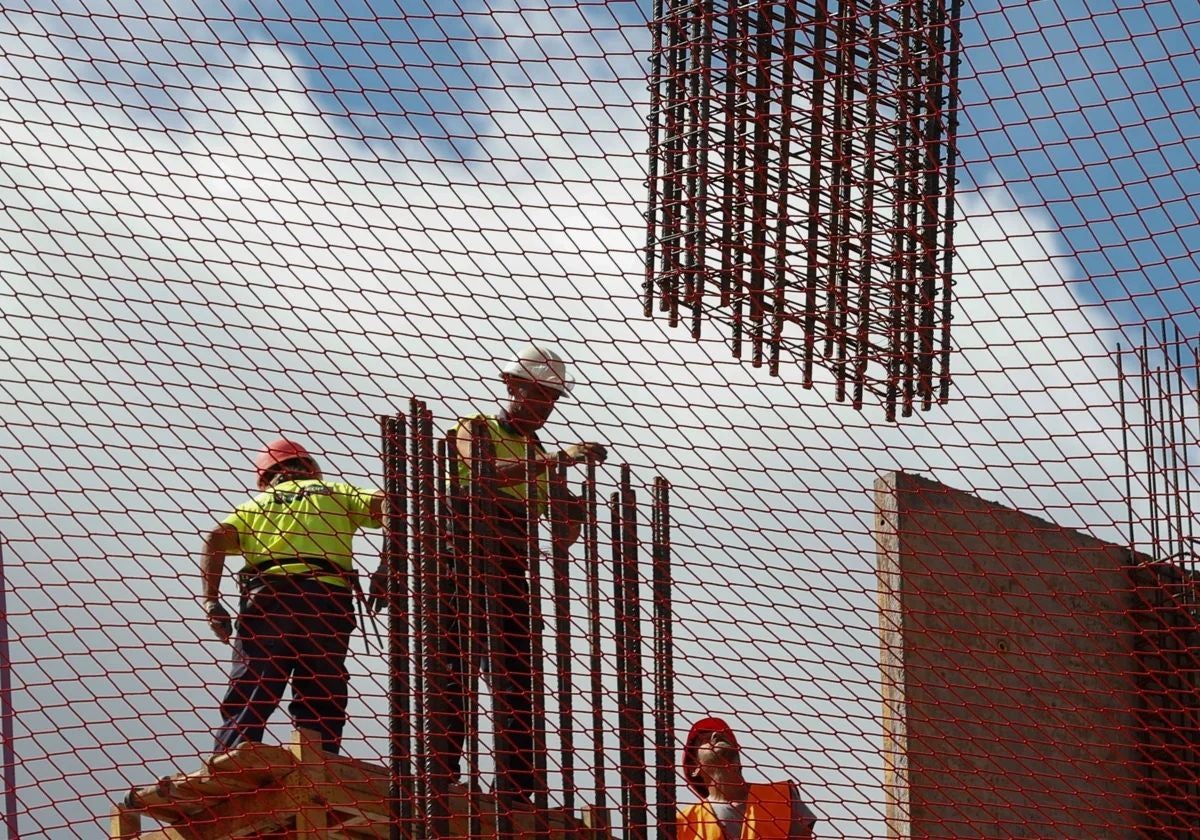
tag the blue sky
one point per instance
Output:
(1089, 111)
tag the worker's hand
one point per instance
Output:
(581, 452)
(378, 597)
(220, 621)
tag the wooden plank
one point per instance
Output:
(124, 824)
(311, 814)
(244, 768)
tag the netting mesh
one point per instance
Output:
(225, 222)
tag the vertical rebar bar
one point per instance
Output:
(703, 93)
(782, 220)
(730, 172)
(843, 165)
(632, 725)
(1148, 422)
(664, 661)
(1186, 497)
(434, 592)
(674, 145)
(652, 227)
(820, 24)
(560, 498)
(621, 653)
(533, 502)
(483, 567)
(396, 561)
(741, 184)
(591, 558)
(867, 254)
(760, 157)
(955, 46)
(930, 131)
(1125, 449)
(468, 629)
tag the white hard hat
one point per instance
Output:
(545, 367)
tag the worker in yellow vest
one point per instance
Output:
(730, 808)
(535, 380)
(296, 612)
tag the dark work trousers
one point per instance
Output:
(295, 628)
(505, 653)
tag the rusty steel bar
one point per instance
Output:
(533, 500)
(560, 498)
(1184, 501)
(1166, 404)
(591, 559)
(955, 48)
(688, 99)
(396, 561)
(483, 562)
(433, 617)
(1125, 447)
(910, 97)
(652, 232)
(673, 193)
(631, 724)
(664, 662)
(815, 160)
(621, 654)
(867, 261)
(468, 629)
(729, 160)
(741, 202)
(782, 221)
(843, 166)
(419, 624)
(930, 224)
(1148, 422)
(760, 157)
(702, 93)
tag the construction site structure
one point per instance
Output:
(437, 552)
(300, 792)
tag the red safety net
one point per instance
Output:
(223, 223)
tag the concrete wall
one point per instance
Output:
(1013, 666)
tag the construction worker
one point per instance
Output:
(298, 585)
(730, 808)
(535, 380)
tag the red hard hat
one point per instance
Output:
(701, 728)
(277, 452)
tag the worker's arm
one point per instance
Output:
(377, 508)
(510, 471)
(221, 541)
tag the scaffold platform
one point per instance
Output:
(299, 792)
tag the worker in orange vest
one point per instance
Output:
(730, 808)
(297, 588)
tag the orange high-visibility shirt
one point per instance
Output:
(768, 817)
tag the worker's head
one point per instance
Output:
(535, 380)
(283, 460)
(711, 754)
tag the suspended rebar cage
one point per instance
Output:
(801, 183)
(446, 523)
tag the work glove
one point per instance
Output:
(580, 453)
(378, 598)
(220, 622)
